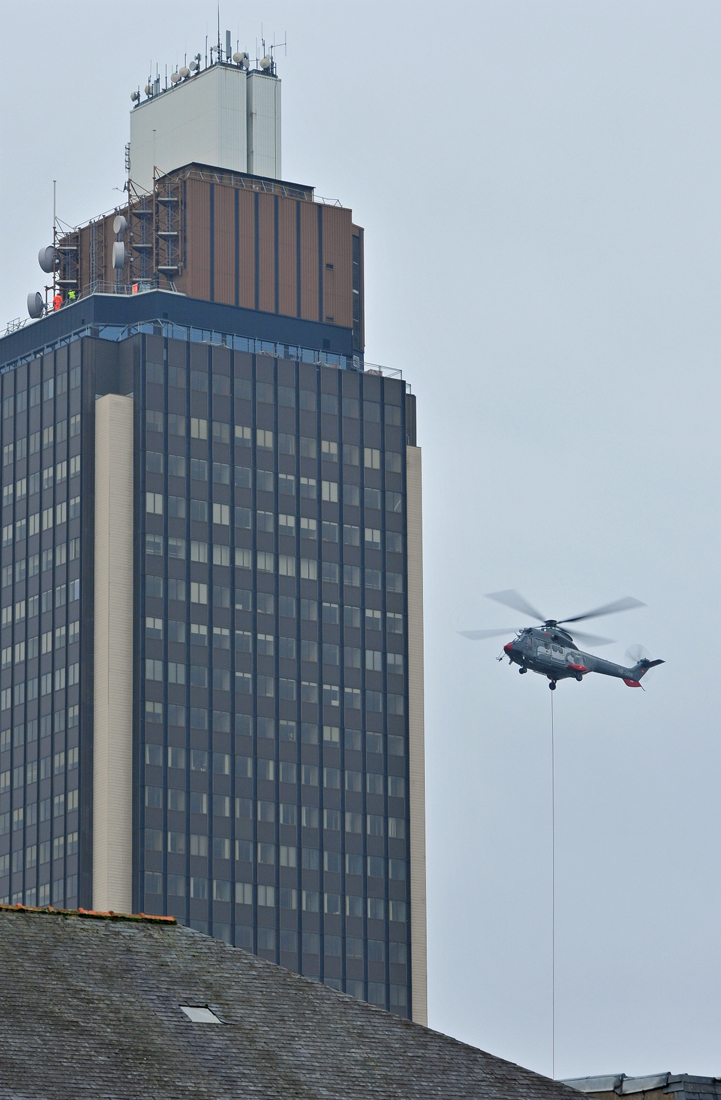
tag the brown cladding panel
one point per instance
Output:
(108, 275)
(224, 244)
(309, 261)
(105, 273)
(338, 279)
(197, 259)
(266, 253)
(194, 277)
(358, 232)
(287, 258)
(246, 245)
(83, 258)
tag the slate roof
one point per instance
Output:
(91, 1008)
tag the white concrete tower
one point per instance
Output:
(222, 116)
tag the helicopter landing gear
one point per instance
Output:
(521, 671)
(579, 678)
(552, 685)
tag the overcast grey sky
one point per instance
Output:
(539, 183)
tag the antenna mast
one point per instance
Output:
(55, 236)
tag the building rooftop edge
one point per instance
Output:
(248, 180)
(94, 914)
(120, 315)
(193, 75)
(103, 308)
(624, 1086)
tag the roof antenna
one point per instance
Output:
(275, 46)
(220, 57)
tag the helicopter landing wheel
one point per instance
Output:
(552, 685)
(521, 671)
(579, 678)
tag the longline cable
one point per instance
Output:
(553, 897)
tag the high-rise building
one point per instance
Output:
(211, 693)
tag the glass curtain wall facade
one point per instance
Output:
(40, 633)
(270, 770)
(272, 805)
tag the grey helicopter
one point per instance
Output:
(551, 651)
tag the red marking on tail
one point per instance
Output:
(631, 683)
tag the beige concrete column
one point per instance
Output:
(113, 699)
(417, 765)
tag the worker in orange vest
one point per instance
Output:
(57, 301)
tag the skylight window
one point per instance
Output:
(199, 1015)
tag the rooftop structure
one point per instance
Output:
(234, 239)
(116, 1008)
(224, 114)
(654, 1086)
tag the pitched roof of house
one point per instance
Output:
(92, 1008)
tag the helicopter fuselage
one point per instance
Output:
(550, 651)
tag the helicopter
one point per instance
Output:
(550, 650)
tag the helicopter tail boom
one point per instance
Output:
(639, 671)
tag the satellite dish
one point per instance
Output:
(148, 89)
(118, 254)
(174, 78)
(135, 96)
(185, 71)
(119, 225)
(46, 259)
(239, 58)
(35, 304)
(193, 66)
(266, 63)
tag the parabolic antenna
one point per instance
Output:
(265, 63)
(118, 255)
(185, 71)
(119, 225)
(35, 304)
(46, 259)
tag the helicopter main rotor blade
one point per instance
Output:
(624, 604)
(511, 598)
(479, 635)
(591, 639)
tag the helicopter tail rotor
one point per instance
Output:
(635, 654)
(639, 660)
(639, 655)
(643, 666)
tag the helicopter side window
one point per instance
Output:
(557, 652)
